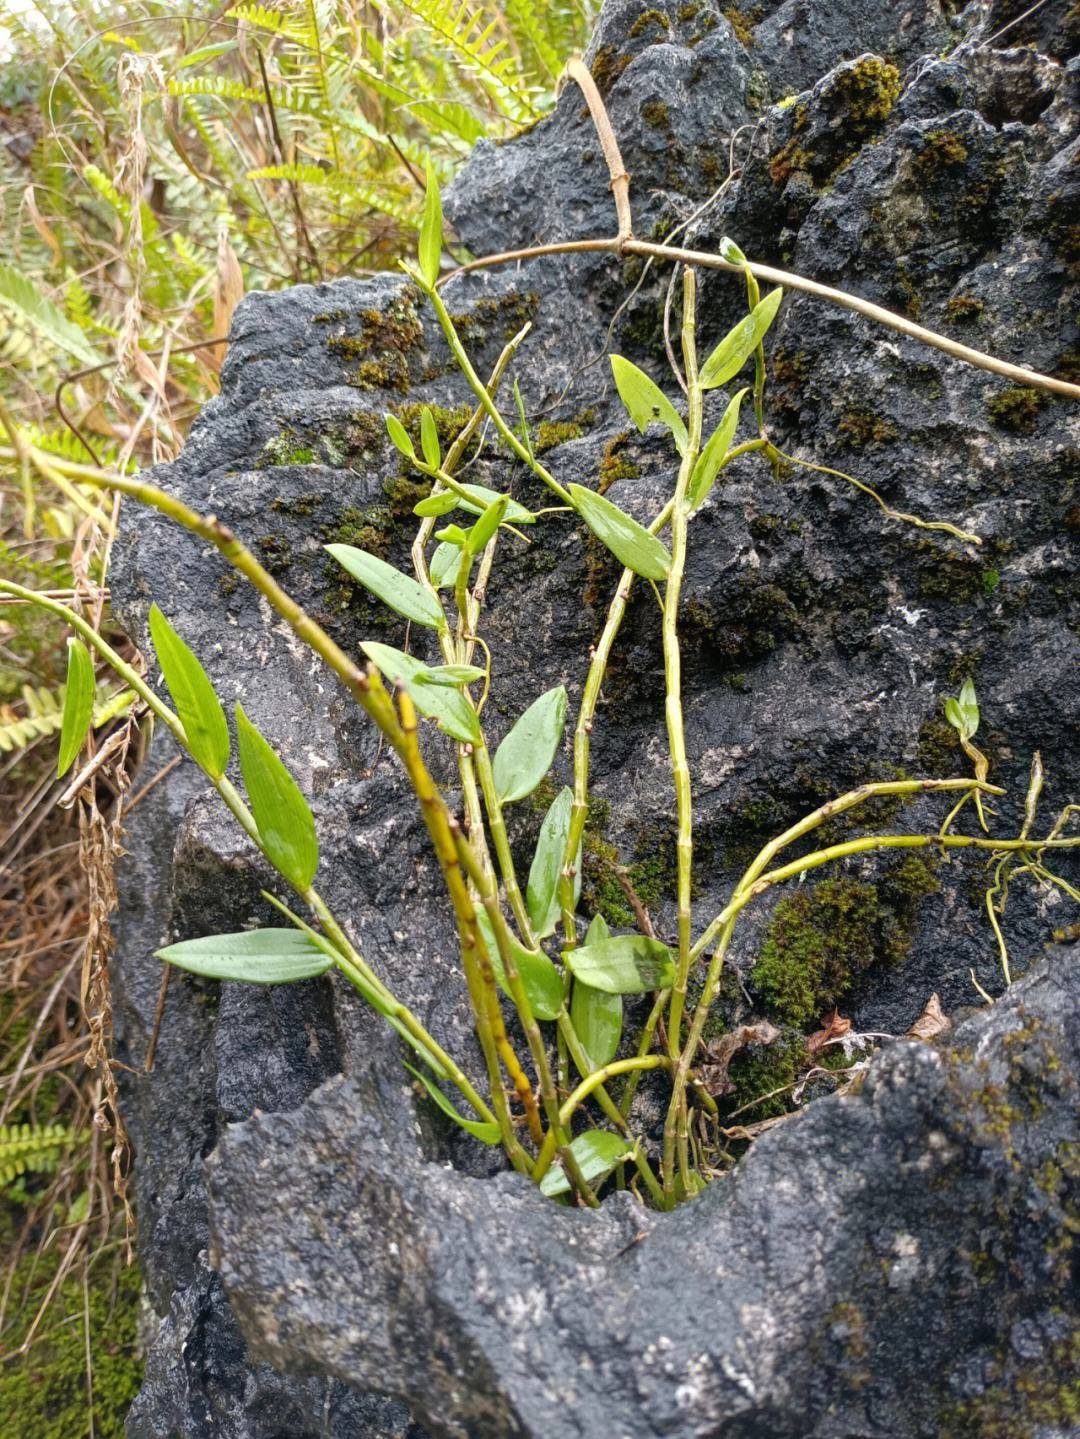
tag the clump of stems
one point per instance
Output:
(545, 995)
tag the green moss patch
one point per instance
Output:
(821, 940)
(44, 1393)
(1016, 408)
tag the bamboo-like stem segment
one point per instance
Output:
(479, 389)
(620, 179)
(680, 766)
(623, 243)
(350, 961)
(373, 699)
(30, 457)
(759, 878)
(557, 1134)
(590, 698)
(501, 841)
(615, 245)
(479, 978)
(384, 1002)
(833, 807)
(588, 1085)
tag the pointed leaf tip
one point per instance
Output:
(527, 752)
(254, 956)
(645, 401)
(78, 705)
(739, 344)
(630, 543)
(431, 230)
(404, 595)
(285, 823)
(197, 705)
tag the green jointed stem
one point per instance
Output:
(588, 1085)
(349, 960)
(817, 817)
(753, 297)
(501, 841)
(130, 676)
(557, 1135)
(457, 349)
(372, 697)
(478, 974)
(680, 767)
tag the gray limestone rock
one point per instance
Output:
(884, 1263)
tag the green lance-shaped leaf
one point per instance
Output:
(963, 712)
(486, 525)
(193, 695)
(444, 565)
(645, 401)
(527, 752)
(254, 956)
(487, 1131)
(542, 891)
(597, 1152)
(429, 439)
(401, 592)
(452, 675)
(597, 1017)
(448, 707)
(78, 704)
(431, 230)
(733, 351)
(284, 821)
(729, 251)
(516, 513)
(629, 542)
(447, 500)
(539, 976)
(432, 506)
(399, 436)
(623, 964)
(713, 455)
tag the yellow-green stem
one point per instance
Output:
(592, 1082)
(457, 349)
(680, 766)
(478, 973)
(557, 1134)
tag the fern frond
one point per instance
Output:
(45, 714)
(37, 1149)
(217, 85)
(466, 32)
(19, 731)
(298, 174)
(278, 22)
(530, 24)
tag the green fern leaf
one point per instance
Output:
(464, 32)
(216, 85)
(37, 1149)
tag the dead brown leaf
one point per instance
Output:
(932, 1022)
(835, 1026)
(228, 292)
(718, 1054)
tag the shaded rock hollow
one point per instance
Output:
(913, 1237)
